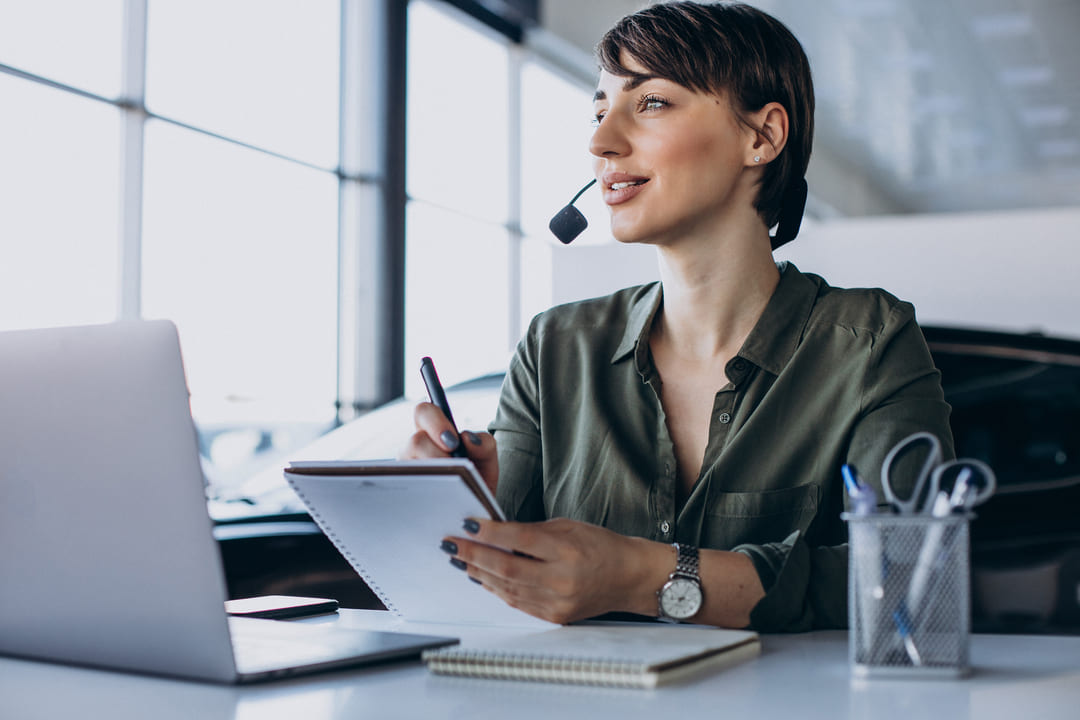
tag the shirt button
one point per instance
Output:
(738, 365)
(664, 527)
(724, 418)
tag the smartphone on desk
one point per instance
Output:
(280, 607)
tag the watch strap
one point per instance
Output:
(686, 561)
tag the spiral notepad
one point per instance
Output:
(388, 517)
(640, 656)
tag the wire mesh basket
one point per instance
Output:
(909, 602)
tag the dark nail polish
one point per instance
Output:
(471, 526)
(472, 437)
(475, 580)
(449, 439)
(449, 547)
(458, 563)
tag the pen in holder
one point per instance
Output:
(909, 605)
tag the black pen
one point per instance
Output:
(438, 398)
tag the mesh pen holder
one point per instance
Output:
(909, 604)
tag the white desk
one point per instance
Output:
(797, 676)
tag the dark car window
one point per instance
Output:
(1016, 406)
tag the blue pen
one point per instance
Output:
(863, 499)
(903, 629)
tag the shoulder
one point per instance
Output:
(859, 309)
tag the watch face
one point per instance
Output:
(680, 598)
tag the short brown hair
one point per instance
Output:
(727, 48)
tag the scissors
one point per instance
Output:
(973, 482)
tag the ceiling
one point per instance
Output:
(923, 106)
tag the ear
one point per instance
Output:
(771, 122)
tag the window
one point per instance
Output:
(209, 194)
(498, 142)
(224, 164)
(59, 191)
(83, 51)
(248, 278)
(265, 75)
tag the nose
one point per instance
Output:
(608, 140)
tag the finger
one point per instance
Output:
(486, 561)
(420, 445)
(482, 450)
(431, 420)
(534, 540)
(538, 601)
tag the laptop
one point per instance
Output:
(107, 555)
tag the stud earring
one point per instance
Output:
(757, 158)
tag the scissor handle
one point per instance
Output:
(933, 459)
(983, 482)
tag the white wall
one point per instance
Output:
(1015, 271)
(582, 271)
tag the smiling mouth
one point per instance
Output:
(623, 185)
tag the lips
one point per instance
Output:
(621, 187)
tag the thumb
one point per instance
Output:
(481, 449)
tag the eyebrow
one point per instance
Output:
(633, 81)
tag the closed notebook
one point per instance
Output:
(637, 655)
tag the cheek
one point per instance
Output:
(701, 162)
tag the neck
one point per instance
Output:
(714, 293)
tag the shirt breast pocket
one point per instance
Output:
(737, 518)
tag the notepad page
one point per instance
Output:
(389, 529)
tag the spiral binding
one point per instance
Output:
(498, 665)
(370, 581)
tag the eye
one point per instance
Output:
(651, 103)
(597, 118)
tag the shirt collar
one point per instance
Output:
(639, 320)
(770, 344)
(779, 330)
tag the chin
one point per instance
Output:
(631, 232)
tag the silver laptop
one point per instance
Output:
(107, 556)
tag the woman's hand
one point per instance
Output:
(560, 570)
(435, 438)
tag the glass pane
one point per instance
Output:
(457, 115)
(263, 73)
(59, 207)
(74, 42)
(555, 160)
(536, 282)
(456, 296)
(240, 251)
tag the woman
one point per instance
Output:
(674, 449)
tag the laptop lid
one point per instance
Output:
(107, 554)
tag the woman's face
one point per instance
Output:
(671, 161)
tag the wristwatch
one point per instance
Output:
(681, 597)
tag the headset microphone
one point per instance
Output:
(568, 223)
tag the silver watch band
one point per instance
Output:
(686, 561)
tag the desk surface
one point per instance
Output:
(797, 676)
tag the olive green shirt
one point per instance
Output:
(827, 376)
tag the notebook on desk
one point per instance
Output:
(107, 555)
(615, 655)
